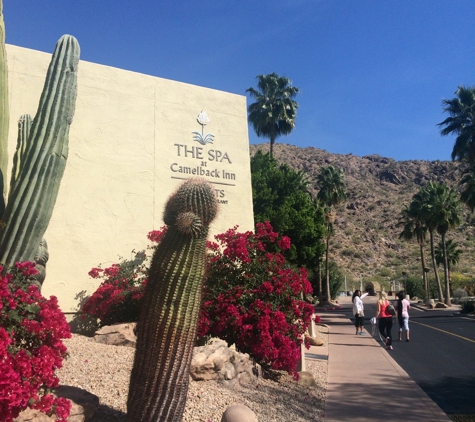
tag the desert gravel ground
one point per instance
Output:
(105, 370)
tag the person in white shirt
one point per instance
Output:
(358, 311)
(402, 306)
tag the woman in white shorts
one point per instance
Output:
(402, 306)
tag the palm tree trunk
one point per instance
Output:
(446, 272)
(319, 279)
(327, 272)
(272, 141)
(434, 264)
(424, 274)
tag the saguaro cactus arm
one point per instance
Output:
(166, 329)
(31, 203)
(24, 126)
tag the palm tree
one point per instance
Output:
(331, 193)
(461, 123)
(414, 227)
(274, 112)
(303, 182)
(468, 193)
(296, 180)
(442, 212)
(452, 252)
(421, 200)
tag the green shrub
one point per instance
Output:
(433, 288)
(385, 272)
(414, 287)
(460, 293)
(336, 279)
(348, 252)
(468, 307)
(389, 254)
(395, 262)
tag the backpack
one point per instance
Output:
(390, 309)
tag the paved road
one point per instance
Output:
(440, 357)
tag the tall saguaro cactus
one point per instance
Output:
(168, 320)
(30, 203)
(4, 115)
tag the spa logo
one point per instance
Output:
(203, 139)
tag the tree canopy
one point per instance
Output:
(467, 196)
(415, 228)
(280, 197)
(439, 209)
(461, 122)
(331, 185)
(274, 112)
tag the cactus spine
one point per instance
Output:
(167, 325)
(31, 203)
(4, 111)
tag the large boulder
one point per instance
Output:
(117, 335)
(216, 361)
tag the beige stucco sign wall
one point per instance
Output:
(133, 139)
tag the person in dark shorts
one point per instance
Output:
(385, 319)
(358, 311)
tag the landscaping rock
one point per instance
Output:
(216, 361)
(117, 335)
(314, 341)
(84, 405)
(238, 413)
(441, 305)
(307, 379)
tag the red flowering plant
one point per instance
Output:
(118, 297)
(31, 329)
(252, 297)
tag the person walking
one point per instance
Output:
(358, 311)
(385, 319)
(402, 305)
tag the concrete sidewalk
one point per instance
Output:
(365, 383)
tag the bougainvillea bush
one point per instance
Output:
(118, 297)
(31, 348)
(252, 297)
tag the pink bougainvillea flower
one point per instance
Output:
(31, 349)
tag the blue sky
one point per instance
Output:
(372, 73)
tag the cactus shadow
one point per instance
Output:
(81, 323)
(108, 414)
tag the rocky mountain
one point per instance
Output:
(366, 242)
